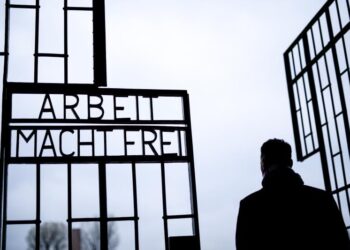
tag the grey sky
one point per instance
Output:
(228, 54)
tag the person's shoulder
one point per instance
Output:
(253, 197)
(316, 194)
(307, 191)
(315, 191)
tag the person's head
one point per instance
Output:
(275, 153)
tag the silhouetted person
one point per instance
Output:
(286, 214)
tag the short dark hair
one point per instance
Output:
(276, 151)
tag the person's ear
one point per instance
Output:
(262, 164)
(290, 163)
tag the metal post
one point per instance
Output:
(136, 214)
(187, 117)
(99, 38)
(103, 206)
(293, 108)
(165, 213)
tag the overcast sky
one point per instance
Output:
(228, 54)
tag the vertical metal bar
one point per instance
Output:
(69, 203)
(6, 40)
(38, 201)
(333, 111)
(65, 37)
(318, 124)
(348, 7)
(143, 144)
(93, 140)
(307, 107)
(340, 87)
(99, 39)
(79, 139)
(165, 213)
(300, 110)
(313, 41)
(151, 108)
(4, 225)
(329, 143)
(342, 102)
(330, 33)
(293, 62)
(293, 107)
(342, 97)
(137, 108)
(37, 13)
(161, 144)
(180, 142)
(321, 33)
(103, 205)
(6, 142)
(136, 215)
(3, 175)
(346, 55)
(301, 116)
(187, 115)
(125, 144)
(326, 124)
(299, 55)
(104, 143)
(338, 14)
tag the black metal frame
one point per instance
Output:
(318, 101)
(91, 89)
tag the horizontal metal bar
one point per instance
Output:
(336, 154)
(85, 89)
(325, 87)
(4, 53)
(341, 189)
(98, 128)
(83, 219)
(51, 55)
(57, 83)
(307, 135)
(310, 100)
(174, 217)
(95, 121)
(344, 71)
(23, 6)
(131, 218)
(16, 222)
(339, 114)
(79, 8)
(310, 154)
(98, 159)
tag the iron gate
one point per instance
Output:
(67, 123)
(318, 78)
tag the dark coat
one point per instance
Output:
(286, 214)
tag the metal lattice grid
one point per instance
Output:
(34, 132)
(318, 77)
